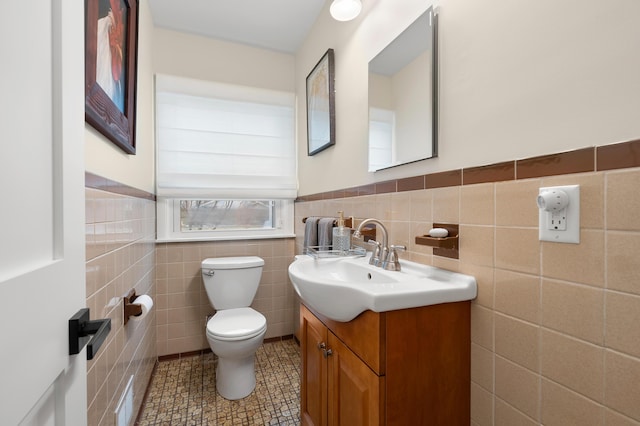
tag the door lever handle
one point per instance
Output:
(83, 331)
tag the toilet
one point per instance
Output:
(236, 331)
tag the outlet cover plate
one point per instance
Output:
(572, 232)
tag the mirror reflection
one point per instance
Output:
(403, 97)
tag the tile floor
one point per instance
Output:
(182, 391)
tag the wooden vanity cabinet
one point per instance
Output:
(313, 390)
(405, 367)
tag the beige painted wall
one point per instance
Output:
(170, 52)
(103, 157)
(193, 56)
(517, 79)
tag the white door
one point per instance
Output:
(41, 211)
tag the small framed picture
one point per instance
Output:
(321, 111)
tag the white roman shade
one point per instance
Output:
(222, 141)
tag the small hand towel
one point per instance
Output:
(325, 233)
(311, 232)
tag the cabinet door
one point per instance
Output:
(356, 393)
(313, 389)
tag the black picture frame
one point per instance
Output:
(321, 109)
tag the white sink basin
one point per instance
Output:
(343, 288)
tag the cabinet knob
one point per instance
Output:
(323, 347)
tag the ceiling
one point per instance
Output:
(280, 25)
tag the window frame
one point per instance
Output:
(168, 224)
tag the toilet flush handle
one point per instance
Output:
(209, 273)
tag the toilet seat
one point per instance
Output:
(236, 324)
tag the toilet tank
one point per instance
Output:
(231, 282)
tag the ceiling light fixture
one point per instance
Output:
(345, 10)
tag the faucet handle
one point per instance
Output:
(394, 263)
(375, 255)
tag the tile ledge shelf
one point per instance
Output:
(583, 160)
(94, 181)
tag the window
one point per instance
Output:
(185, 219)
(225, 166)
(210, 215)
(381, 138)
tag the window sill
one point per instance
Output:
(224, 238)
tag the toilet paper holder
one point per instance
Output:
(130, 308)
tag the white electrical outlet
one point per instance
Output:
(559, 214)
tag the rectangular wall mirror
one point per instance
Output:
(403, 97)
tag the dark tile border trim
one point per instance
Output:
(278, 339)
(98, 182)
(607, 157)
(618, 156)
(367, 189)
(411, 184)
(207, 350)
(578, 161)
(183, 355)
(493, 173)
(443, 179)
(386, 187)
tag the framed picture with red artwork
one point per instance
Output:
(111, 51)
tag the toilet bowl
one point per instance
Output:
(236, 331)
(235, 335)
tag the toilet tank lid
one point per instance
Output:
(237, 262)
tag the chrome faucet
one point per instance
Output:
(381, 250)
(382, 255)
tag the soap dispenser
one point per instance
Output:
(341, 235)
